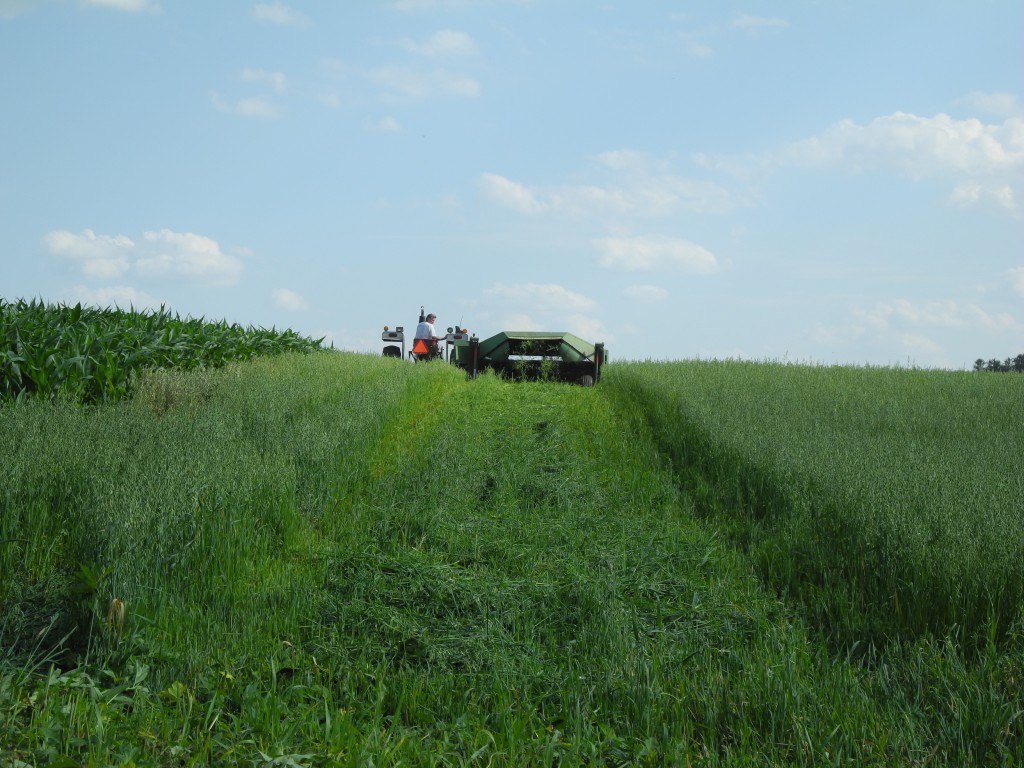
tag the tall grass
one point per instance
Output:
(345, 560)
(886, 500)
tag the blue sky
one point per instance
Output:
(829, 182)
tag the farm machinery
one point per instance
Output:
(533, 355)
(517, 355)
(422, 349)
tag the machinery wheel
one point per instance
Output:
(587, 380)
(392, 351)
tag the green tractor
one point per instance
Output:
(517, 355)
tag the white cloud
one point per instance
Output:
(755, 25)
(978, 317)
(943, 333)
(260, 106)
(988, 156)
(187, 255)
(636, 254)
(431, 5)
(275, 80)
(255, 106)
(537, 307)
(639, 191)
(409, 84)
(697, 43)
(697, 48)
(586, 327)
(1017, 280)
(540, 296)
(445, 42)
(966, 194)
(998, 104)
(160, 254)
(131, 6)
(916, 343)
(289, 300)
(694, 42)
(919, 147)
(510, 194)
(901, 313)
(100, 256)
(386, 125)
(519, 321)
(625, 160)
(278, 13)
(971, 193)
(1005, 198)
(645, 294)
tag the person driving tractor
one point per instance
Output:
(425, 341)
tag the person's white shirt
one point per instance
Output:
(425, 330)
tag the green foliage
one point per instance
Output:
(534, 360)
(994, 365)
(885, 500)
(95, 355)
(341, 559)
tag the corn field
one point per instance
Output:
(95, 355)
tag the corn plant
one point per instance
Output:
(95, 355)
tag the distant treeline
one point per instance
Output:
(1009, 365)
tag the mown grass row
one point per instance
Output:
(338, 559)
(94, 355)
(886, 501)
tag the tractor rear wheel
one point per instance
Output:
(587, 380)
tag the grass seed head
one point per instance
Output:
(115, 617)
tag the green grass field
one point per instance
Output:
(889, 502)
(338, 559)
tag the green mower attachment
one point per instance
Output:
(532, 355)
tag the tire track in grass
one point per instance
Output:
(539, 578)
(410, 428)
